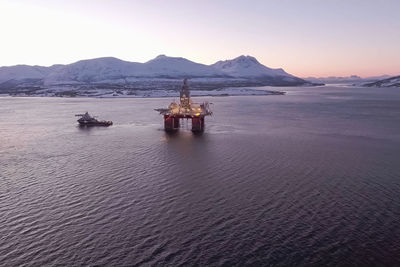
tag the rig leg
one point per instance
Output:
(170, 123)
(176, 123)
(197, 124)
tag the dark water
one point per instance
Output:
(311, 178)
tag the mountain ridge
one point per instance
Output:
(388, 82)
(158, 73)
(352, 79)
(159, 66)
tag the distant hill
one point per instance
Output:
(162, 72)
(353, 79)
(389, 82)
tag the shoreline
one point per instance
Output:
(150, 93)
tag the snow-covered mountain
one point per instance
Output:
(179, 67)
(389, 82)
(93, 70)
(19, 72)
(248, 67)
(109, 72)
(109, 69)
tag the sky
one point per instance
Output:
(304, 37)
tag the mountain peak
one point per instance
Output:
(247, 66)
(246, 58)
(160, 56)
(246, 61)
(164, 58)
(107, 59)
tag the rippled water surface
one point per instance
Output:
(308, 178)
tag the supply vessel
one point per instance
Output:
(88, 120)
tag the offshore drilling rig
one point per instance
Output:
(186, 109)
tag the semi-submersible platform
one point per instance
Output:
(186, 109)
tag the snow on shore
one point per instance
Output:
(110, 93)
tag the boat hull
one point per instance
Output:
(100, 123)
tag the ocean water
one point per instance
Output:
(311, 178)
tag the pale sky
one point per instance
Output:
(306, 38)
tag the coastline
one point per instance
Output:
(106, 93)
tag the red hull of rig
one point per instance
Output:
(172, 122)
(185, 110)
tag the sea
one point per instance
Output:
(309, 178)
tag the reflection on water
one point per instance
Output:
(309, 178)
(86, 128)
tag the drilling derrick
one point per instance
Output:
(186, 109)
(185, 96)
